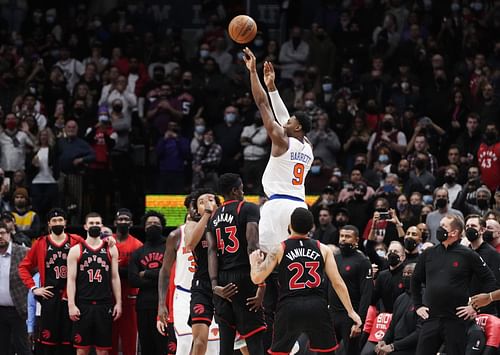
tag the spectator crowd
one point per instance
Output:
(99, 109)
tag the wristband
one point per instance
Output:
(262, 284)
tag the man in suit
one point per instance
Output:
(13, 296)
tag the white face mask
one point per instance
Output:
(381, 253)
(309, 103)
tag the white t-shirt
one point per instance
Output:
(44, 176)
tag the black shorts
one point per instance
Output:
(308, 315)
(94, 327)
(236, 313)
(55, 325)
(201, 308)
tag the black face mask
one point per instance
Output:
(347, 249)
(387, 126)
(95, 231)
(79, 111)
(360, 167)
(406, 282)
(117, 108)
(153, 233)
(359, 197)
(471, 234)
(410, 244)
(57, 230)
(441, 234)
(340, 223)
(404, 175)
(158, 77)
(122, 228)
(482, 204)
(441, 203)
(415, 209)
(393, 259)
(450, 180)
(488, 236)
(491, 137)
(420, 164)
(186, 83)
(423, 218)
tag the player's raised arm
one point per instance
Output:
(262, 265)
(278, 106)
(275, 131)
(194, 232)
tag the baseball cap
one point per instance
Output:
(123, 212)
(56, 212)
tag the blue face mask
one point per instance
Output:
(204, 53)
(383, 158)
(230, 117)
(427, 199)
(200, 129)
(315, 169)
(327, 87)
(258, 42)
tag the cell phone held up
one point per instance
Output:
(384, 215)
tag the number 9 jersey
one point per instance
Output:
(285, 175)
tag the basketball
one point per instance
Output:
(242, 29)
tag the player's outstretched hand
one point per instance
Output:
(43, 292)
(356, 327)
(466, 312)
(480, 300)
(257, 257)
(74, 313)
(250, 60)
(117, 311)
(226, 292)
(255, 303)
(269, 75)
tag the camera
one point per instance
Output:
(384, 215)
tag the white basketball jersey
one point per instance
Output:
(184, 264)
(285, 175)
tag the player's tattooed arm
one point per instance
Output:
(262, 265)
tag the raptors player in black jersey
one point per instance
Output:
(201, 305)
(232, 234)
(93, 280)
(302, 306)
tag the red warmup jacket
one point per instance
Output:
(35, 260)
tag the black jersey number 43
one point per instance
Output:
(228, 242)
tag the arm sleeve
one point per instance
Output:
(409, 341)
(279, 108)
(366, 287)
(483, 273)
(417, 279)
(133, 272)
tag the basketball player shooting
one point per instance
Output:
(290, 161)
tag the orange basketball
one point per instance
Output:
(242, 29)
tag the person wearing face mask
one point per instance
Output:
(384, 226)
(256, 147)
(359, 206)
(387, 136)
(326, 232)
(404, 212)
(450, 178)
(14, 145)
(489, 157)
(206, 161)
(421, 174)
(402, 336)
(413, 244)
(27, 220)
(125, 328)
(492, 233)
(228, 135)
(475, 227)
(325, 141)
(480, 206)
(444, 311)
(388, 284)
(356, 271)
(293, 54)
(143, 270)
(318, 177)
(51, 292)
(93, 288)
(433, 218)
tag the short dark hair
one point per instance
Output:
(188, 201)
(350, 227)
(227, 182)
(196, 195)
(301, 220)
(482, 221)
(91, 215)
(153, 213)
(304, 119)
